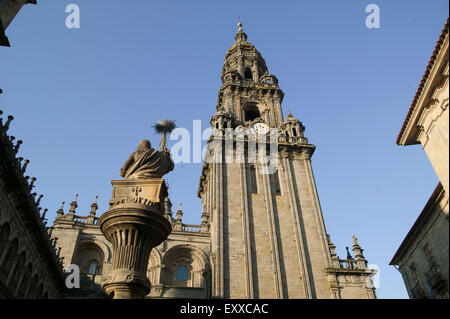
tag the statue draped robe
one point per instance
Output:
(149, 164)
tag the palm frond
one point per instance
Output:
(164, 126)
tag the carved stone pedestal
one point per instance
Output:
(134, 225)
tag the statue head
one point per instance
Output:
(144, 145)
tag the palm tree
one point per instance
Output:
(164, 127)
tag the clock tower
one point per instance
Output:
(267, 233)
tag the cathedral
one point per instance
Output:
(262, 232)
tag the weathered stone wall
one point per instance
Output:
(424, 260)
(427, 123)
(83, 244)
(434, 124)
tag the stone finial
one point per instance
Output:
(8, 122)
(349, 256)
(39, 199)
(94, 206)
(179, 213)
(289, 114)
(168, 209)
(355, 240)
(331, 246)
(73, 205)
(25, 164)
(357, 250)
(16, 148)
(33, 179)
(60, 211)
(240, 36)
(167, 205)
(44, 213)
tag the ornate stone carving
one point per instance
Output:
(146, 162)
(136, 222)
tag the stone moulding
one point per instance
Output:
(147, 192)
(134, 224)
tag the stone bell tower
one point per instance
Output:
(268, 237)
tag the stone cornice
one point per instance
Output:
(331, 270)
(438, 60)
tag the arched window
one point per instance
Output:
(92, 268)
(182, 274)
(89, 257)
(251, 112)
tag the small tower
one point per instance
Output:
(60, 211)
(293, 130)
(91, 218)
(73, 207)
(358, 252)
(178, 225)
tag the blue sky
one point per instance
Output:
(83, 98)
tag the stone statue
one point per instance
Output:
(147, 162)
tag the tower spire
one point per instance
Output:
(240, 36)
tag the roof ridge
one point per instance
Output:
(436, 51)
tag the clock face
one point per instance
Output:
(261, 128)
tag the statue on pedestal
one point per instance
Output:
(136, 221)
(147, 162)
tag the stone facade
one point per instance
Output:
(427, 120)
(29, 265)
(268, 237)
(423, 258)
(262, 233)
(8, 10)
(187, 248)
(423, 255)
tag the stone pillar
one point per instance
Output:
(135, 224)
(358, 252)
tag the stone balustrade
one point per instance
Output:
(191, 228)
(78, 219)
(348, 264)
